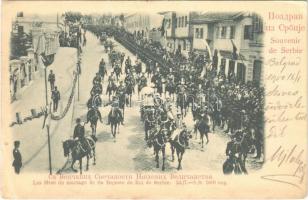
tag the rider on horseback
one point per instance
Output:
(97, 79)
(234, 151)
(79, 137)
(143, 80)
(121, 89)
(115, 106)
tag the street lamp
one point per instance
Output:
(47, 60)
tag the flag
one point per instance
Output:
(234, 54)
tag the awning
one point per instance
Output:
(229, 55)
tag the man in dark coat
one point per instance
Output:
(52, 80)
(79, 136)
(234, 152)
(17, 163)
(55, 96)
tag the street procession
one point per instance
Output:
(138, 92)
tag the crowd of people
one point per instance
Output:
(241, 103)
(235, 106)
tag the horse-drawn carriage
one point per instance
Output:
(147, 101)
(103, 37)
(114, 58)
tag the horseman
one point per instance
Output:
(97, 79)
(115, 108)
(112, 77)
(79, 137)
(129, 79)
(97, 88)
(234, 151)
(121, 89)
(102, 68)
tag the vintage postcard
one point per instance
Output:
(143, 100)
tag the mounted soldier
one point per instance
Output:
(79, 137)
(97, 79)
(115, 109)
(102, 68)
(234, 153)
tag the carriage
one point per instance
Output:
(147, 101)
(114, 58)
(103, 37)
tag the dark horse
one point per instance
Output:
(203, 126)
(158, 139)
(115, 119)
(179, 143)
(129, 92)
(77, 151)
(111, 88)
(93, 116)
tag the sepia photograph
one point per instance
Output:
(162, 99)
(163, 91)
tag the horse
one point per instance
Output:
(117, 71)
(203, 126)
(115, 119)
(129, 92)
(111, 88)
(158, 140)
(178, 144)
(93, 115)
(236, 161)
(150, 121)
(121, 96)
(77, 151)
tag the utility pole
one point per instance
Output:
(78, 63)
(47, 60)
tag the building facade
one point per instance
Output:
(233, 41)
(145, 26)
(45, 39)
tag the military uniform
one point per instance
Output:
(55, 96)
(79, 136)
(52, 79)
(115, 108)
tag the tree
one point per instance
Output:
(72, 17)
(20, 42)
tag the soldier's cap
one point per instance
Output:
(16, 143)
(78, 120)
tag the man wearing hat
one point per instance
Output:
(121, 89)
(17, 163)
(79, 136)
(55, 96)
(52, 79)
